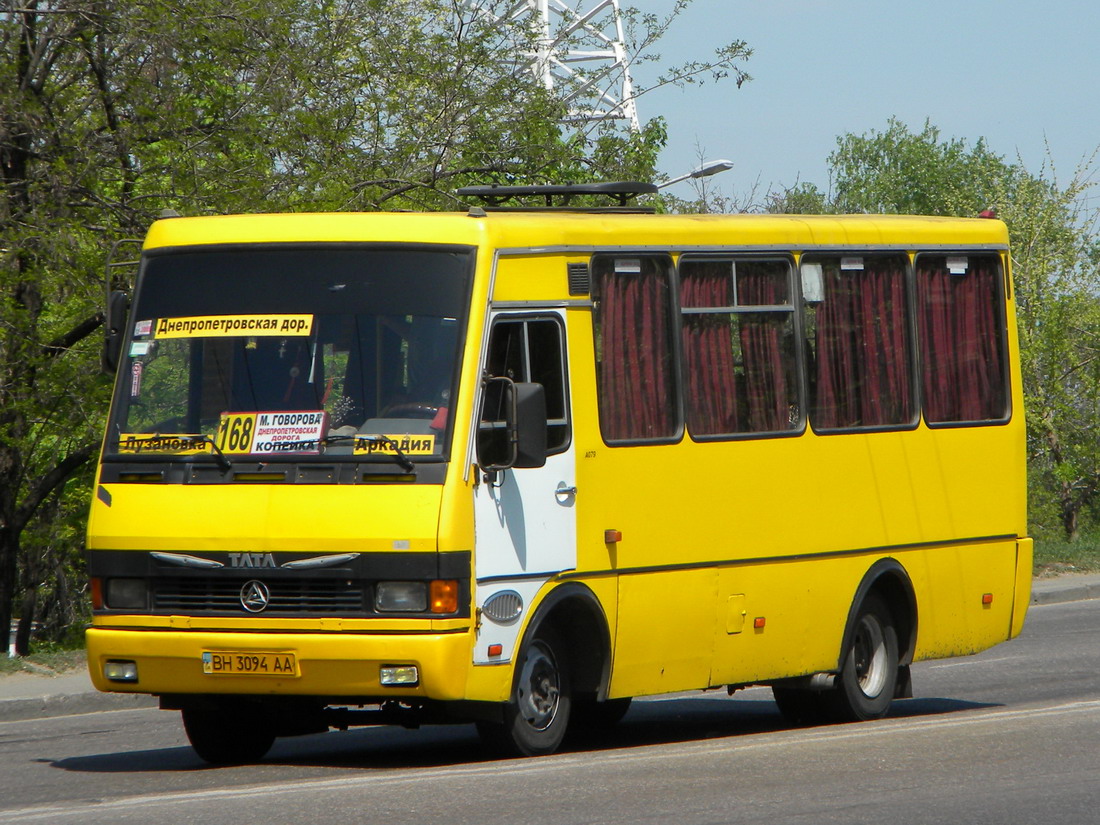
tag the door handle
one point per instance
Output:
(563, 490)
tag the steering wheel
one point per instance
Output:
(409, 409)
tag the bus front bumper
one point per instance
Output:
(292, 664)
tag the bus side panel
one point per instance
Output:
(965, 598)
(664, 642)
(779, 620)
(787, 618)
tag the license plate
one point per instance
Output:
(251, 663)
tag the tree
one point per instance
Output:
(112, 110)
(1057, 281)
(1055, 257)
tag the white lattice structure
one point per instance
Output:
(582, 51)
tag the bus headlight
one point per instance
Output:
(127, 594)
(401, 597)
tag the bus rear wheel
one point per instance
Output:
(869, 672)
(802, 707)
(537, 715)
(228, 735)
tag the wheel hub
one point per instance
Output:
(539, 687)
(870, 656)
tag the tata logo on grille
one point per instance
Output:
(255, 597)
(251, 560)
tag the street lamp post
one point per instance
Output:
(703, 170)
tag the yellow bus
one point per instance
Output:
(517, 466)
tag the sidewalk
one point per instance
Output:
(1073, 587)
(29, 696)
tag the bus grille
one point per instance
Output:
(202, 595)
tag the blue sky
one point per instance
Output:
(1022, 75)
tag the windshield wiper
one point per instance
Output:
(219, 457)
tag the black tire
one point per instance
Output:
(591, 719)
(802, 707)
(537, 715)
(869, 670)
(228, 736)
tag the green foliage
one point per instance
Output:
(915, 173)
(803, 199)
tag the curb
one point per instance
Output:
(62, 704)
(1076, 592)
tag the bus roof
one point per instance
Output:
(549, 230)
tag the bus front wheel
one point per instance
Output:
(230, 735)
(537, 715)
(869, 672)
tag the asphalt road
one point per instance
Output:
(1009, 736)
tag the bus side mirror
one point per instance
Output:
(114, 329)
(512, 429)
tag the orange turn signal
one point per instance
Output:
(987, 598)
(612, 536)
(444, 596)
(758, 622)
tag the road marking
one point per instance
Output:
(709, 748)
(972, 662)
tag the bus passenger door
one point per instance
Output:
(524, 518)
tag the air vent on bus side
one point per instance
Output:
(579, 281)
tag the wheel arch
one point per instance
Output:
(577, 616)
(888, 578)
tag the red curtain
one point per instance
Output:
(738, 365)
(637, 396)
(709, 368)
(861, 344)
(963, 373)
(766, 366)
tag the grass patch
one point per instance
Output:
(1055, 557)
(50, 663)
(45, 659)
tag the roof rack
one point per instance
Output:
(623, 191)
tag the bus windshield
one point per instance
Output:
(293, 352)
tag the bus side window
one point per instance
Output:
(962, 332)
(857, 336)
(636, 375)
(527, 350)
(738, 339)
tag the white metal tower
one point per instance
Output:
(584, 52)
